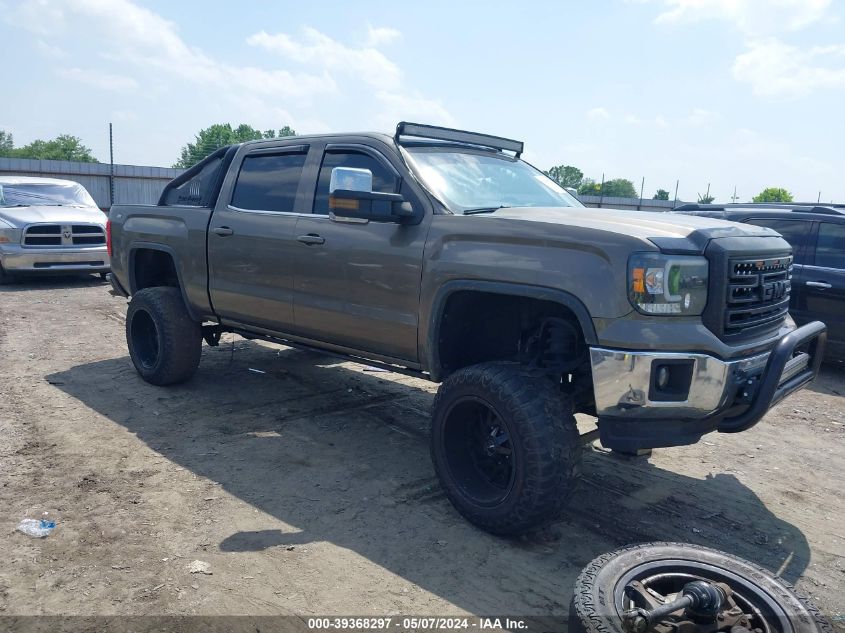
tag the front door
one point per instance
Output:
(824, 284)
(251, 241)
(358, 283)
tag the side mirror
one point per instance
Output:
(351, 196)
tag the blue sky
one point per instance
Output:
(743, 93)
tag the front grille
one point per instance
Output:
(64, 235)
(757, 292)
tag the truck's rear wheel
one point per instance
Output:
(165, 344)
(505, 447)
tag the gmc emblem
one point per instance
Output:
(774, 291)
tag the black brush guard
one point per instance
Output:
(785, 373)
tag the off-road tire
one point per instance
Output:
(545, 445)
(164, 343)
(592, 609)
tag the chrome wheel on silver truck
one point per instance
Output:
(505, 446)
(165, 344)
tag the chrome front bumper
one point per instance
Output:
(622, 381)
(728, 396)
(38, 260)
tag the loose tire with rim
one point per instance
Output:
(505, 446)
(664, 568)
(165, 344)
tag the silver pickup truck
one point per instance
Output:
(48, 226)
(440, 253)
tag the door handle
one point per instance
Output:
(311, 238)
(222, 231)
(819, 284)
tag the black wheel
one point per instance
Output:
(505, 447)
(104, 276)
(164, 343)
(645, 576)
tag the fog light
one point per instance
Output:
(662, 377)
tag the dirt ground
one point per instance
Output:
(305, 483)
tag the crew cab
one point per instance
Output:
(441, 254)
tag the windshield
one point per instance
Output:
(47, 194)
(467, 180)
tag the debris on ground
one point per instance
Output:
(39, 528)
(200, 567)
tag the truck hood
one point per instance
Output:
(19, 217)
(672, 232)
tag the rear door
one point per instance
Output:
(251, 239)
(825, 281)
(797, 232)
(358, 283)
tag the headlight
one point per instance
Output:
(9, 235)
(667, 284)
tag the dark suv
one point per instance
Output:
(817, 236)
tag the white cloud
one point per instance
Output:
(699, 117)
(50, 51)
(397, 107)
(376, 36)
(317, 49)
(99, 79)
(598, 114)
(131, 34)
(750, 16)
(775, 69)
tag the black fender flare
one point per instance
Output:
(438, 305)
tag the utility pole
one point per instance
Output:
(819, 199)
(642, 186)
(677, 182)
(111, 166)
(734, 197)
(601, 190)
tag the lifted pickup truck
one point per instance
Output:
(440, 253)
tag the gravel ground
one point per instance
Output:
(305, 484)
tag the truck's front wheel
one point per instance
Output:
(165, 344)
(505, 446)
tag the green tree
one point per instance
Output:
(221, 134)
(566, 175)
(589, 187)
(63, 147)
(773, 194)
(661, 194)
(616, 188)
(7, 143)
(706, 198)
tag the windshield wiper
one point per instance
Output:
(486, 209)
(11, 206)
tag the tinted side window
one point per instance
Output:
(793, 231)
(384, 181)
(268, 182)
(830, 248)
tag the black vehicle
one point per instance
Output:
(817, 236)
